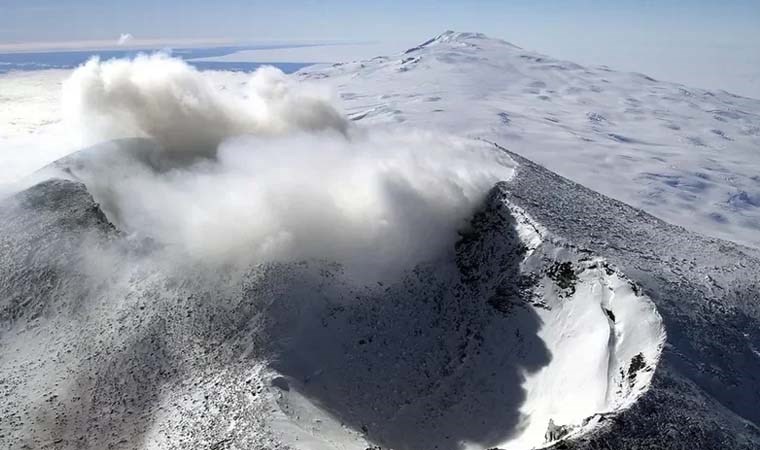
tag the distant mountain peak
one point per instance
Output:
(458, 37)
(451, 36)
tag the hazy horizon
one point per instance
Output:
(698, 43)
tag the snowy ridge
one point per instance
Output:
(686, 276)
(583, 303)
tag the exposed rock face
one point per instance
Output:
(554, 432)
(43, 229)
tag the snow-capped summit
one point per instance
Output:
(463, 38)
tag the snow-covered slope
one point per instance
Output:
(686, 155)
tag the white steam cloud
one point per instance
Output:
(124, 38)
(167, 100)
(273, 174)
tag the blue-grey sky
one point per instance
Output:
(649, 36)
(36, 20)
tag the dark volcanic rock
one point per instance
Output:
(43, 230)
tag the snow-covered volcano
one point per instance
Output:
(543, 314)
(686, 155)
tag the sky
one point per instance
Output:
(705, 43)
